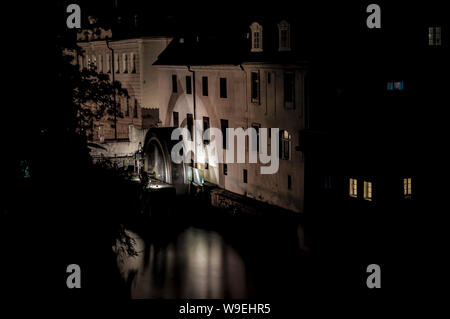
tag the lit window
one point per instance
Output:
(94, 61)
(285, 145)
(257, 38)
(368, 190)
(284, 36)
(395, 86)
(407, 187)
(434, 36)
(353, 190)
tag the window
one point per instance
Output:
(80, 61)
(206, 165)
(395, 86)
(368, 191)
(188, 85)
(225, 169)
(353, 187)
(206, 136)
(289, 182)
(174, 84)
(289, 85)
(176, 121)
(88, 62)
(190, 124)
(125, 63)
(284, 36)
(127, 110)
(116, 63)
(255, 144)
(407, 187)
(255, 87)
(205, 86)
(135, 110)
(285, 145)
(245, 176)
(257, 37)
(133, 63)
(328, 183)
(108, 63)
(100, 63)
(224, 126)
(223, 88)
(101, 133)
(94, 61)
(434, 36)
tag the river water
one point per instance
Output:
(233, 259)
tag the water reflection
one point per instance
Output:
(198, 264)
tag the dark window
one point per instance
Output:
(127, 110)
(205, 86)
(289, 88)
(135, 109)
(223, 88)
(174, 84)
(255, 87)
(188, 85)
(224, 126)
(190, 124)
(269, 77)
(176, 120)
(206, 165)
(289, 182)
(225, 169)
(245, 176)
(328, 182)
(206, 136)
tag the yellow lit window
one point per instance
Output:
(353, 191)
(407, 187)
(368, 191)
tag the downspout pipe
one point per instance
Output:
(113, 80)
(194, 103)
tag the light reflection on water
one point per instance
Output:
(198, 264)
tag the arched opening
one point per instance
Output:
(156, 161)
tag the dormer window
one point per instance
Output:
(284, 36)
(257, 37)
